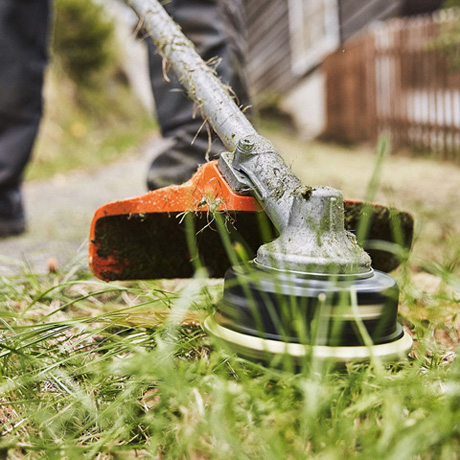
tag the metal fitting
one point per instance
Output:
(243, 151)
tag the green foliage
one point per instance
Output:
(83, 39)
(86, 128)
(89, 368)
(96, 370)
(451, 3)
(91, 114)
(448, 40)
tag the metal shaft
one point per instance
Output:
(198, 79)
(265, 171)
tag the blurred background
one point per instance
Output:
(340, 70)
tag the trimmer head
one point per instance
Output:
(266, 315)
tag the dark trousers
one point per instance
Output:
(24, 26)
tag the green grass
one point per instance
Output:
(91, 114)
(96, 370)
(88, 368)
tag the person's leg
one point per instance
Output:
(23, 58)
(216, 27)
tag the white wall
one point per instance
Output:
(305, 103)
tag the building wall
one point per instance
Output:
(355, 15)
(269, 64)
(413, 7)
(270, 60)
(269, 57)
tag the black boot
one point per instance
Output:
(12, 220)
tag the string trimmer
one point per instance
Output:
(310, 289)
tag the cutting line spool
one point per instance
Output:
(266, 313)
(266, 350)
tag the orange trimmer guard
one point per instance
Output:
(145, 237)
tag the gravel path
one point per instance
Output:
(59, 211)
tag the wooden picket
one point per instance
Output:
(395, 78)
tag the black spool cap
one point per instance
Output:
(262, 308)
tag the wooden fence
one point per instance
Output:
(395, 78)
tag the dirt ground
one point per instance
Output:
(59, 211)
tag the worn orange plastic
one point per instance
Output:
(205, 190)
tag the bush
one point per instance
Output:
(83, 39)
(448, 41)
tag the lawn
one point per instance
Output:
(124, 370)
